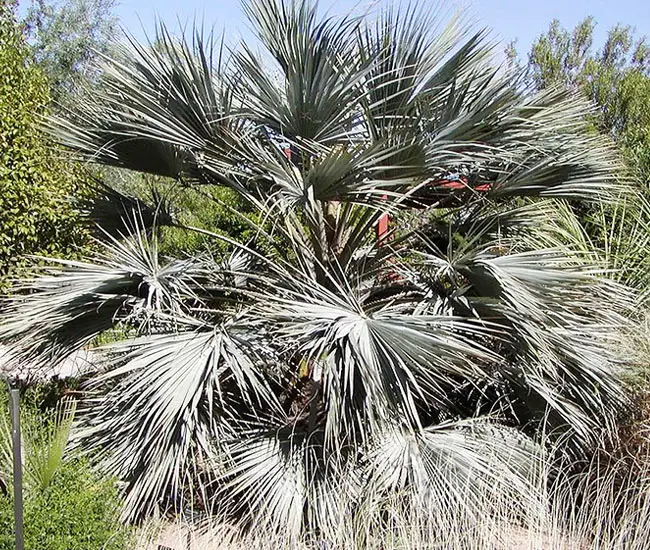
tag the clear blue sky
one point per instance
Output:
(509, 19)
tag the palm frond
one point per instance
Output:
(172, 398)
(565, 338)
(321, 74)
(176, 110)
(66, 304)
(374, 362)
(45, 445)
(114, 211)
(452, 464)
(44, 442)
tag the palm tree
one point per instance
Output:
(316, 366)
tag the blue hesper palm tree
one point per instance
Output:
(316, 364)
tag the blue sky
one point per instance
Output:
(509, 19)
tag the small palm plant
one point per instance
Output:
(44, 443)
(320, 365)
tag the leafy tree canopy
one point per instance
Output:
(67, 36)
(616, 77)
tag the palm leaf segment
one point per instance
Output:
(324, 363)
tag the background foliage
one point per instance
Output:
(615, 76)
(66, 37)
(68, 505)
(36, 183)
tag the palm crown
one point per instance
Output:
(316, 359)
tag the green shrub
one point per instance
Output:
(68, 504)
(78, 510)
(36, 214)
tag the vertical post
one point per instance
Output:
(382, 226)
(18, 468)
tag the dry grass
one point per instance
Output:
(597, 511)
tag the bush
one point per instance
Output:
(36, 216)
(68, 504)
(77, 511)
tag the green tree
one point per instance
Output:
(289, 383)
(36, 213)
(615, 77)
(66, 37)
